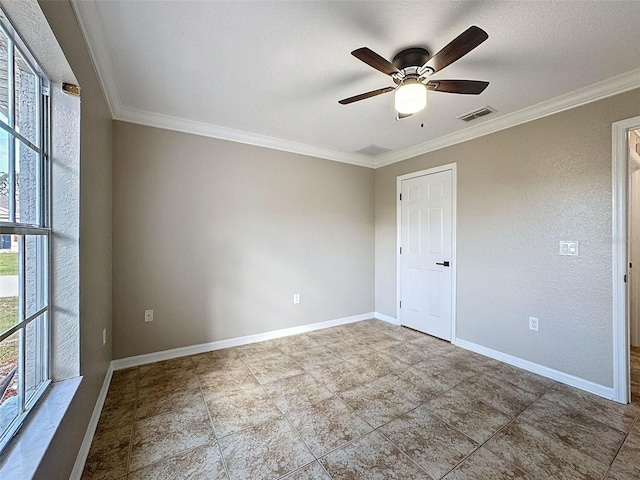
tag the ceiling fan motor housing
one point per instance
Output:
(411, 57)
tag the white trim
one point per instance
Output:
(454, 195)
(87, 14)
(386, 318)
(208, 130)
(606, 88)
(581, 383)
(619, 209)
(81, 458)
(232, 342)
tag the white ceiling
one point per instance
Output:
(271, 72)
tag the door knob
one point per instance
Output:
(444, 264)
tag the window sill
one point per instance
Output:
(24, 453)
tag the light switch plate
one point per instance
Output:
(570, 249)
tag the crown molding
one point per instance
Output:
(87, 14)
(205, 129)
(607, 88)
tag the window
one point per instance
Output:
(24, 232)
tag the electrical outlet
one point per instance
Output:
(148, 316)
(296, 298)
(533, 323)
(104, 337)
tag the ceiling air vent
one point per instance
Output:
(373, 150)
(481, 112)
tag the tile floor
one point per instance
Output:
(366, 400)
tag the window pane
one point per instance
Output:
(4, 176)
(9, 407)
(35, 268)
(27, 184)
(34, 356)
(8, 293)
(26, 94)
(4, 76)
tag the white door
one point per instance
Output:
(425, 256)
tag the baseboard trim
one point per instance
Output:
(386, 318)
(83, 453)
(137, 360)
(568, 379)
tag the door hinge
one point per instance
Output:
(400, 250)
(400, 197)
(625, 279)
(400, 303)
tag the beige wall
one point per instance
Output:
(216, 237)
(95, 242)
(521, 191)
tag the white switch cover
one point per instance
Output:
(296, 298)
(148, 316)
(534, 324)
(104, 337)
(571, 249)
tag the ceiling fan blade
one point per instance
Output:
(374, 60)
(466, 87)
(362, 96)
(403, 115)
(457, 48)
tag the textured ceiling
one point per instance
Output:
(271, 73)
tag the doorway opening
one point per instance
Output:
(626, 249)
(633, 246)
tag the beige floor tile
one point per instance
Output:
(378, 363)
(328, 425)
(118, 411)
(416, 385)
(216, 362)
(108, 455)
(295, 392)
(627, 463)
(163, 436)
(543, 456)
(574, 428)
(404, 334)
(505, 397)
(221, 383)
(471, 416)
(409, 353)
(274, 368)
(377, 403)
(296, 344)
(165, 368)
(172, 402)
(315, 357)
(341, 376)
(242, 409)
(124, 382)
(521, 378)
(431, 443)
(204, 462)
(313, 471)
(611, 413)
(188, 382)
(433, 345)
(371, 457)
(269, 451)
(259, 350)
(484, 465)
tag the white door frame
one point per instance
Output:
(454, 187)
(620, 208)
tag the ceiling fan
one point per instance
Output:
(411, 68)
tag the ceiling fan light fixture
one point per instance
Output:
(411, 98)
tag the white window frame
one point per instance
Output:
(41, 229)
